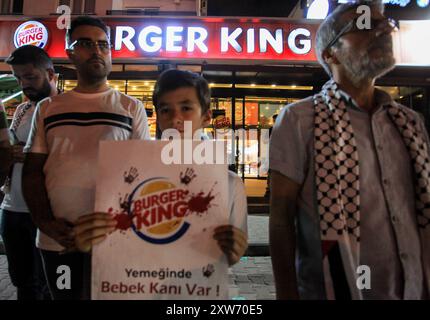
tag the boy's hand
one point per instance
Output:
(232, 241)
(92, 229)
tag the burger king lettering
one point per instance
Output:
(150, 38)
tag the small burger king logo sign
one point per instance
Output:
(31, 33)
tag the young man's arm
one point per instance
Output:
(282, 234)
(36, 198)
(93, 228)
(5, 148)
(288, 161)
(9, 154)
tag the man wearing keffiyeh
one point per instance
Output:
(34, 72)
(350, 176)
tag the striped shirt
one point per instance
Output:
(68, 128)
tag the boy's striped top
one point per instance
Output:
(3, 124)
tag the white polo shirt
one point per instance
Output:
(68, 128)
(3, 124)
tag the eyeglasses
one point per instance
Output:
(104, 46)
(352, 26)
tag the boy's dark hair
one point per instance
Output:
(174, 79)
(85, 21)
(30, 54)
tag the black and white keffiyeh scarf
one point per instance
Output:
(338, 188)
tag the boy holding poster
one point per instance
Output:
(180, 96)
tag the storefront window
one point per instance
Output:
(248, 144)
(412, 97)
(267, 111)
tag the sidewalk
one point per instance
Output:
(250, 279)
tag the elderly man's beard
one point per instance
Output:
(361, 66)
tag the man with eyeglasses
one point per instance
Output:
(350, 175)
(60, 166)
(34, 72)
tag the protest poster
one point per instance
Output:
(163, 246)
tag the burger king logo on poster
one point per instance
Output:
(31, 33)
(158, 208)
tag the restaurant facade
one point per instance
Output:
(255, 67)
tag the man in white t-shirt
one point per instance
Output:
(34, 71)
(60, 168)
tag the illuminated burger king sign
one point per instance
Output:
(31, 33)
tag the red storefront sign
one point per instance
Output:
(203, 39)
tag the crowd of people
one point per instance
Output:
(349, 169)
